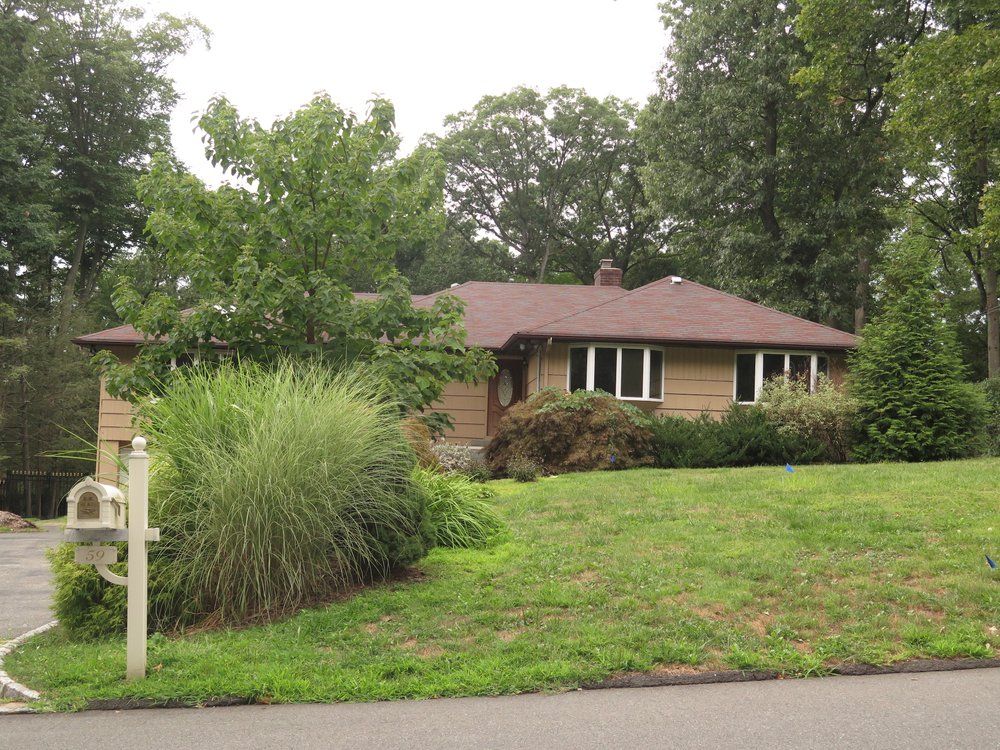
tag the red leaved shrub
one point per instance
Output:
(579, 431)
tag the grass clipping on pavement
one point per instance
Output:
(613, 572)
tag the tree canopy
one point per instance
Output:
(772, 193)
(317, 197)
(84, 102)
(933, 68)
(554, 179)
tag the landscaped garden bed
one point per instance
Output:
(612, 572)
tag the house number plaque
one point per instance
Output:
(95, 555)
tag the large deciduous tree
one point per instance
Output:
(933, 65)
(771, 193)
(554, 179)
(84, 101)
(318, 199)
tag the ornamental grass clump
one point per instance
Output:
(461, 510)
(273, 488)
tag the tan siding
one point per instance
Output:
(554, 372)
(114, 429)
(531, 377)
(466, 404)
(697, 380)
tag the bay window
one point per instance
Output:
(627, 372)
(752, 369)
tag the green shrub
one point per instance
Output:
(825, 415)
(683, 443)
(459, 509)
(991, 395)
(577, 431)
(742, 437)
(906, 375)
(272, 488)
(751, 439)
(522, 469)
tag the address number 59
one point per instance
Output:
(96, 555)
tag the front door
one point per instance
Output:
(506, 389)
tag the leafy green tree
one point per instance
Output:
(770, 192)
(456, 256)
(84, 101)
(318, 198)
(907, 376)
(106, 106)
(932, 68)
(554, 179)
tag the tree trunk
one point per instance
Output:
(769, 182)
(861, 289)
(992, 321)
(25, 450)
(69, 286)
(545, 260)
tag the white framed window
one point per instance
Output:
(752, 368)
(632, 373)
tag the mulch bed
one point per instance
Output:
(14, 521)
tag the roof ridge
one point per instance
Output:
(625, 293)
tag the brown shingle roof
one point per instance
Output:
(497, 314)
(495, 311)
(687, 312)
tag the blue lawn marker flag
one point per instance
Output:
(990, 562)
(789, 469)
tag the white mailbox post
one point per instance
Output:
(90, 517)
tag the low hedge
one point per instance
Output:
(744, 436)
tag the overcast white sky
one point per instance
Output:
(430, 58)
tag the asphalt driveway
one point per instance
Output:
(25, 581)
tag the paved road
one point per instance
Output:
(935, 710)
(25, 582)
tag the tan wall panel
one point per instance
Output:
(107, 469)
(464, 389)
(531, 377)
(114, 427)
(474, 402)
(698, 387)
(464, 433)
(112, 420)
(695, 403)
(554, 369)
(690, 363)
(466, 405)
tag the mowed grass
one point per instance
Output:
(614, 572)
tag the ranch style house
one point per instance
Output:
(672, 346)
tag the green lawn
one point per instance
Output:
(607, 573)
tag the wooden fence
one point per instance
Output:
(36, 494)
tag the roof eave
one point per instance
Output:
(528, 335)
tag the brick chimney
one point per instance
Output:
(607, 275)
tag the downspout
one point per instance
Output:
(547, 345)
